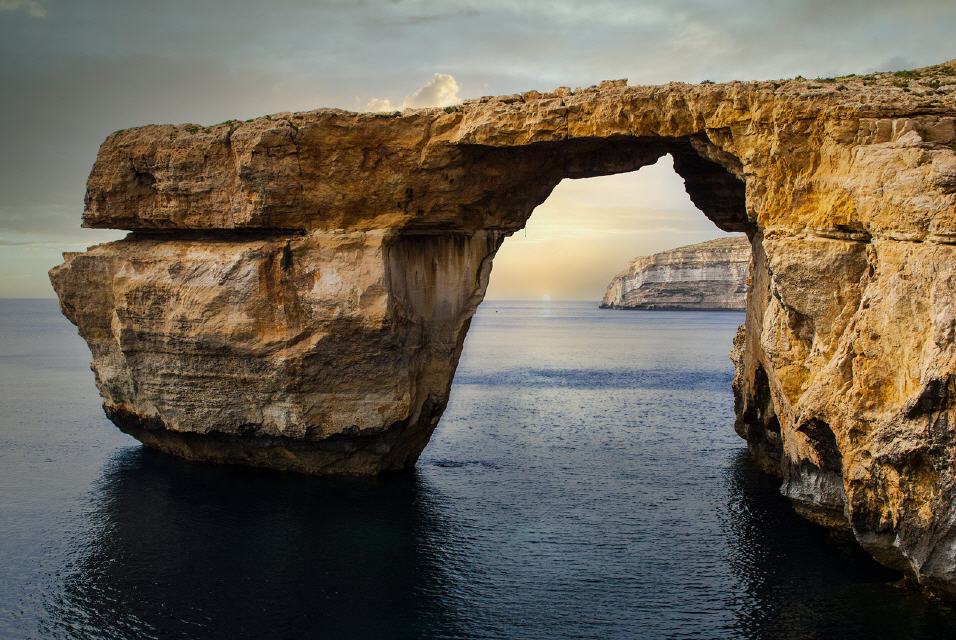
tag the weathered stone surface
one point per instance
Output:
(326, 353)
(297, 288)
(708, 275)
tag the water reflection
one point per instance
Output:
(185, 549)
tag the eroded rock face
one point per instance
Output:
(297, 288)
(708, 275)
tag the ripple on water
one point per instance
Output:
(585, 481)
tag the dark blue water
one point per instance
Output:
(585, 482)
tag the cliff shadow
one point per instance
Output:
(801, 580)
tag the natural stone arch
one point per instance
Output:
(296, 289)
(532, 171)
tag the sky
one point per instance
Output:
(73, 71)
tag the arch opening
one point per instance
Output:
(512, 181)
(588, 229)
(498, 194)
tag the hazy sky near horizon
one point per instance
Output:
(73, 71)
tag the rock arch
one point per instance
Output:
(296, 289)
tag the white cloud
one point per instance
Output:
(441, 91)
(379, 104)
(30, 7)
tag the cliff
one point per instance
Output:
(705, 276)
(296, 289)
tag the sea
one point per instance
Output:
(584, 482)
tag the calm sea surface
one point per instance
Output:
(585, 482)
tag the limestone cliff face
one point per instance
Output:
(705, 276)
(296, 289)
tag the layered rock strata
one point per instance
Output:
(296, 289)
(705, 276)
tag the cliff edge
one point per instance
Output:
(709, 275)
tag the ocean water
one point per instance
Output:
(585, 482)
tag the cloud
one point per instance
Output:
(440, 91)
(30, 7)
(379, 104)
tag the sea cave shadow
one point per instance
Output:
(802, 581)
(179, 549)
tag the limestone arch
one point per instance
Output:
(328, 264)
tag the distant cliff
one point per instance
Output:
(709, 275)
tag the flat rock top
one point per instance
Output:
(926, 90)
(732, 249)
(728, 243)
(330, 168)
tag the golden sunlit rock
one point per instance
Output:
(297, 288)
